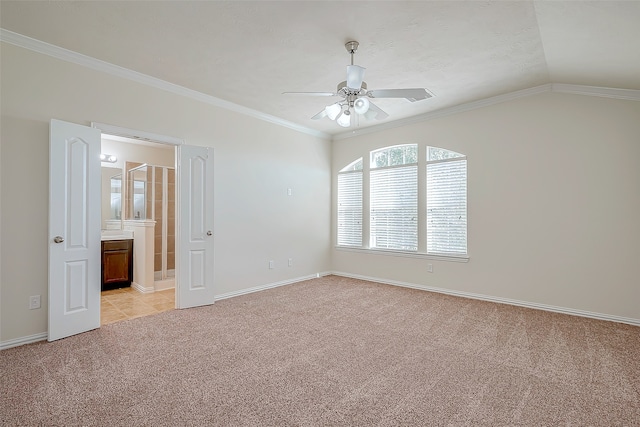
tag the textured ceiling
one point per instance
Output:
(249, 53)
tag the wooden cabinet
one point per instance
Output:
(117, 263)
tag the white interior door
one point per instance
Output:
(195, 227)
(74, 229)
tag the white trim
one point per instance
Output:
(148, 223)
(99, 65)
(136, 134)
(271, 285)
(163, 285)
(604, 92)
(536, 306)
(142, 289)
(445, 112)
(115, 70)
(388, 252)
(42, 336)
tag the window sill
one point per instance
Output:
(388, 252)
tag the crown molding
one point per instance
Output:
(115, 70)
(604, 92)
(445, 111)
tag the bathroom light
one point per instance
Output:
(110, 158)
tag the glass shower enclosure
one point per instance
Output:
(152, 195)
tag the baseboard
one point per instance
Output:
(138, 287)
(163, 285)
(23, 340)
(537, 306)
(270, 285)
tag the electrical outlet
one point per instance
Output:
(272, 265)
(34, 302)
(430, 268)
(289, 192)
(290, 262)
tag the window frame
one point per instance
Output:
(422, 162)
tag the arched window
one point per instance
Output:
(394, 202)
(394, 198)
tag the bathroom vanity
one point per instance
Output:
(117, 263)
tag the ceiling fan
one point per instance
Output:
(355, 96)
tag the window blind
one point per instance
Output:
(350, 209)
(447, 207)
(394, 208)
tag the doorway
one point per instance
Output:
(74, 241)
(139, 203)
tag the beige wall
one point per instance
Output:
(554, 191)
(255, 162)
(553, 203)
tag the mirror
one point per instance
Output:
(116, 197)
(137, 178)
(111, 199)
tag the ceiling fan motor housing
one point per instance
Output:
(351, 46)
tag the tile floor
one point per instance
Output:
(127, 303)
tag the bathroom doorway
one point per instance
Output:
(75, 222)
(139, 202)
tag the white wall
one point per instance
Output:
(255, 162)
(553, 203)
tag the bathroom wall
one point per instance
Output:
(160, 219)
(132, 151)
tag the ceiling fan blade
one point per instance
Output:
(375, 112)
(355, 76)
(311, 93)
(412, 95)
(320, 115)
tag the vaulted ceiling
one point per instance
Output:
(249, 52)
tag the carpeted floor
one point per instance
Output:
(332, 352)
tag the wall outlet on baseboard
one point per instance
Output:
(34, 302)
(272, 265)
(430, 268)
(290, 262)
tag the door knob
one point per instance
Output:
(209, 233)
(58, 239)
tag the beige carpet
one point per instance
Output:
(332, 352)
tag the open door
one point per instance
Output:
(195, 227)
(74, 229)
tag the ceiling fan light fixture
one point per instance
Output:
(333, 110)
(361, 105)
(344, 120)
(355, 96)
